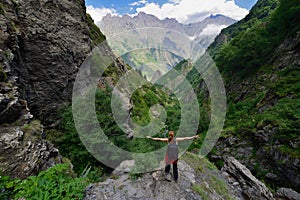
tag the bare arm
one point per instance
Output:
(158, 139)
(187, 138)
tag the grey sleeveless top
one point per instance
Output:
(172, 151)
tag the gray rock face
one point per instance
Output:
(23, 151)
(287, 194)
(47, 41)
(11, 109)
(22, 155)
(197, 180)
(149, 186)
(239, 175)
(55, 45)
(42, 45)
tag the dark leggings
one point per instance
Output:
(175, 170)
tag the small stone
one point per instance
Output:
(235, 183)
(124, 167)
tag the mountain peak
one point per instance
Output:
(112, 25)
(212, 16)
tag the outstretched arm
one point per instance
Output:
(187, 138)
(158, 139)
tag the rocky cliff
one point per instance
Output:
(24, 152)
(43, 43)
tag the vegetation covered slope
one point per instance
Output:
(259, 60)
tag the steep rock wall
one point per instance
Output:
(43, 43)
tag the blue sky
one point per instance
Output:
(246, 3)
(185, 11)
(123, 5)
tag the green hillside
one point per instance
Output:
(259, 60)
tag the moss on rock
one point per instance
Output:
(3, 76)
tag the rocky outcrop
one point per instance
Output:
(245, 186)
(23, 150)
(198, 179)
(194, 183)
(23, 156)
(151, 186)
(287, 194)
(238, 175)
(10, 105)
(43, 43)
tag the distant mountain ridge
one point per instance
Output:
(111, 25)
(151, 62)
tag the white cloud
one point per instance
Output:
(189, 11)
(98, 13)
(212, 29)
(138, 3)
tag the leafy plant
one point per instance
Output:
(55, 183)
(7, 186)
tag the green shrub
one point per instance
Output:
(68, 142)
(7, 186)
(219, 164)
(54, 183)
